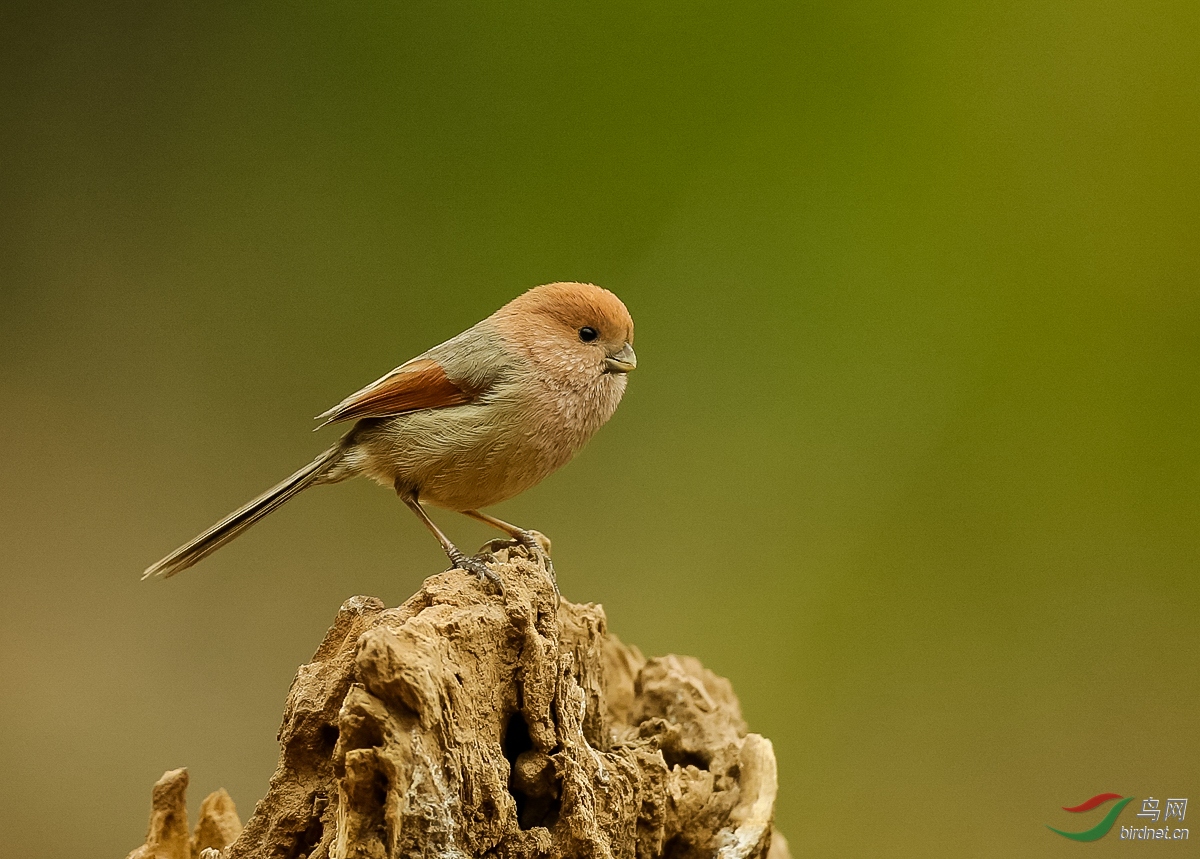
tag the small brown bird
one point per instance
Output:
(473, 421)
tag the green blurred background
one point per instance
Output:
(911, 455)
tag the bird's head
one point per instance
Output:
(578, 330)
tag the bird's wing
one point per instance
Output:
(420, 384)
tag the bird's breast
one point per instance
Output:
(478, 454)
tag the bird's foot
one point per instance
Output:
(479, 567)
(537, 545)
(535, 541)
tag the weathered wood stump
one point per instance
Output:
(470, 723)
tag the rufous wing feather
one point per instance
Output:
(419, 384)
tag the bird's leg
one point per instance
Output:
(537, 544)
(457, 558)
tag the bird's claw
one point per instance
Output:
(537, 545)
(480, 569)
(535, 541)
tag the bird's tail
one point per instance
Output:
(245, 516)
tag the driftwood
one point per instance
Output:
(469, 722)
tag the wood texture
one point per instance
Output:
(469, 723)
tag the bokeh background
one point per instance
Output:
(911, 455)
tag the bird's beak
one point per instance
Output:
(622, 362)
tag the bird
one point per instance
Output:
(471, 422)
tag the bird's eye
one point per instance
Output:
(587, 334)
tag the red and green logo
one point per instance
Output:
(1100, 829)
